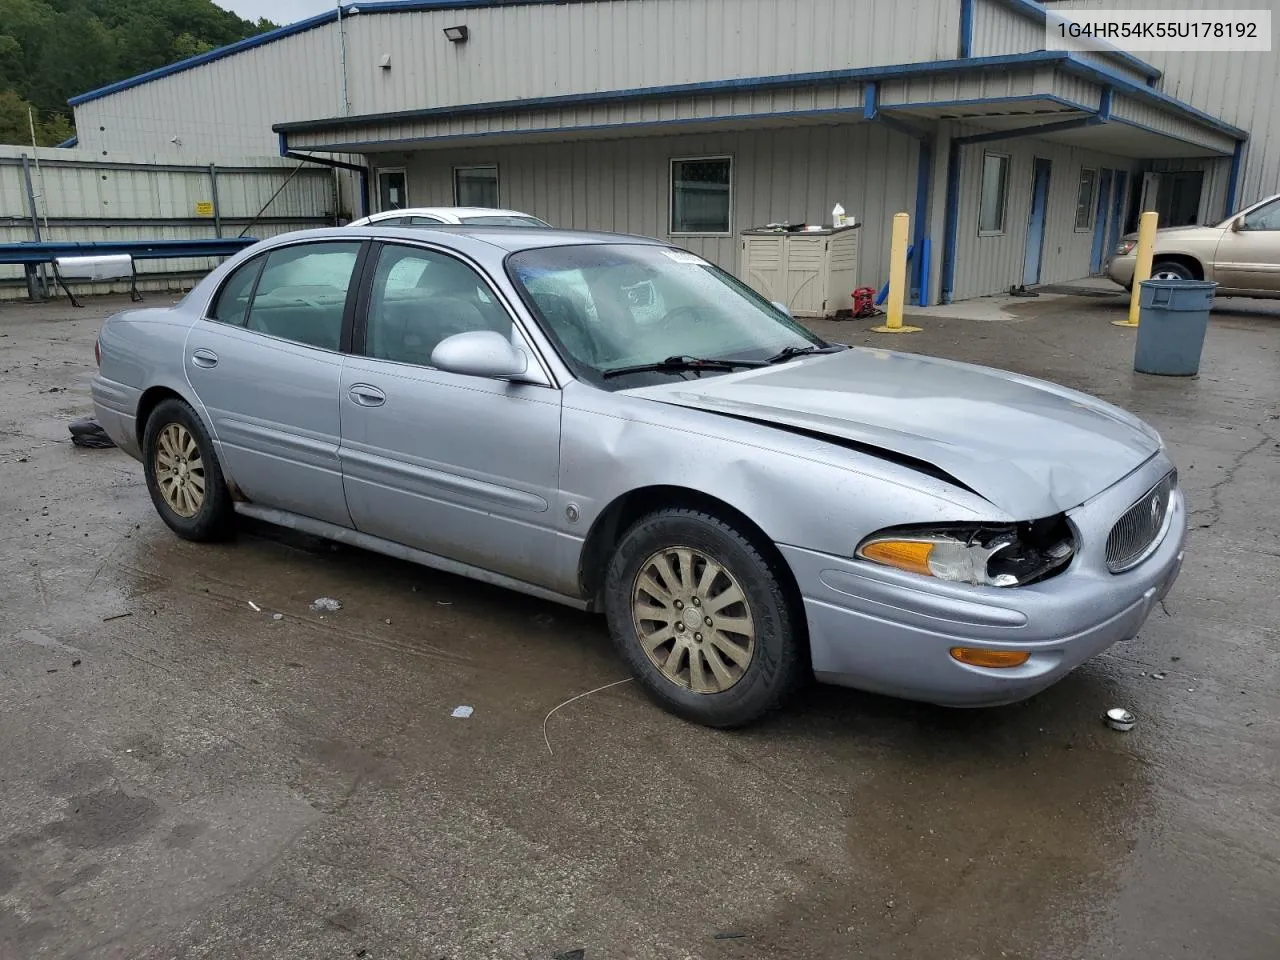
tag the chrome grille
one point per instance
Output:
(1140, 530)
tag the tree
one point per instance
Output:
(51, 50)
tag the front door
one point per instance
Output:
(463, 467)
(1036, 222)
(267, 367)
(1105, 179)
(1249, 258)
(393, 193)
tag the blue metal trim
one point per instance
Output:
(1104, 104)
(1038, 130)
(1100, 75)
(292, 29)
(1037, 12)
(68, 143)
(1097, 250)
(978, 101)
(924, 176)
(870, 100)
(951, 229)
(1233, 179)
(966, 28)
(284, 144)
(782, 81)
(138, 249)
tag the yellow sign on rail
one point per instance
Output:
(897, 278)
(204, 208)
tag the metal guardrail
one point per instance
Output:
(47, 252)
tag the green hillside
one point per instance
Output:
(54, 49)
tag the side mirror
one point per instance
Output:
(1237, 224)
(782, 308)
(479, 353)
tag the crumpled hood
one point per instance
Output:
(1032, 448)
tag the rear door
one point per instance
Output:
(463, 467)
(1249, 258)
(266, 364)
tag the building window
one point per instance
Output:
(475, 186)
(393, 193)
(1085, 199)
(701, 195)
(995, 189)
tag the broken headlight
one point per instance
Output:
(987, 556)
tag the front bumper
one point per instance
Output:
(883, 630)
(1122, 269)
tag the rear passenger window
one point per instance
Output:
(233, 302)
(302, 294)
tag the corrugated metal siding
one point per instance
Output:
(545, 50)
(622, 185)
(998, 30)
(228, 106)
(1152, 118)
(81, 198)
(221, 109)
(600, 117)
(990, 265)
(1241, 88)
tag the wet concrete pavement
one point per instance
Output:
(184, 776)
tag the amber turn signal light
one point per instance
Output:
(978, 657)
(909, 555)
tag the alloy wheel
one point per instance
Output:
(180, 470)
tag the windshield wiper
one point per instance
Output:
(790, 353)
(681, 362)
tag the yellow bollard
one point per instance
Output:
(897, 277)
(1142, 268)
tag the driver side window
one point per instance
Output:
(1264, 218)
(420, 298)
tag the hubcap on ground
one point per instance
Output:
(693, 620)
(179, 470)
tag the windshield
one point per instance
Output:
(613, 306)
(504, 220)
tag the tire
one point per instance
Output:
(1173, 269)
(757, 670)
(177, 455)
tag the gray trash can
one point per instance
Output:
(1171, 326)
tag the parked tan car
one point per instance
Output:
(1242, 253)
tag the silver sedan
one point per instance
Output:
(616, 424)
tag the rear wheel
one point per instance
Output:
(703, 618)
(1171, 270)
(183, 475)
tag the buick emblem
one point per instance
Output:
(1155, 509)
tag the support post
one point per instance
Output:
(1142, 268)
(35, 230)
(217, 207)
(897, 277)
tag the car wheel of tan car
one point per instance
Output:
(1171, 270)
(702, 616)
(183, 475)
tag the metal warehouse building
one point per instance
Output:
(696, 119)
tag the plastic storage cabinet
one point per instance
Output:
(1171, 326)
(813, 272)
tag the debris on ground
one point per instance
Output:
(75, 663)
(463, 711)
(116, 616)
(1118, 718)
(254, 607)
(571, 955)
(1157, 676)
(277, 616)
(88, 433)
(326, 605)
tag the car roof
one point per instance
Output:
(450, 212)
(509, 239)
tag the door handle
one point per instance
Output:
(204, 358)
(366, 396)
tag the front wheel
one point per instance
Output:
(183, 475)
(1171, 270)
(703, 618)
